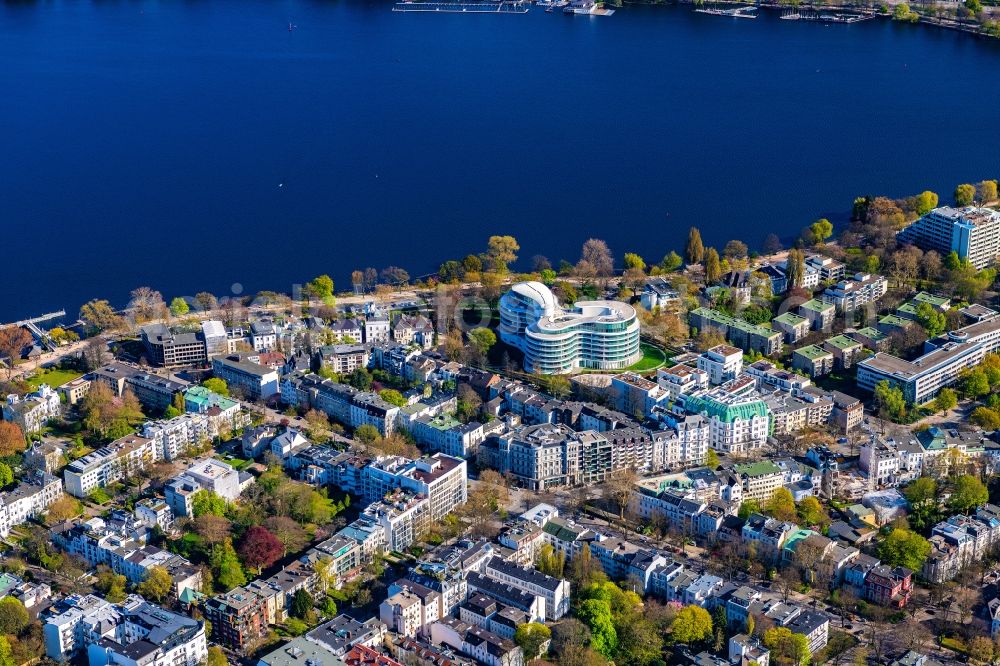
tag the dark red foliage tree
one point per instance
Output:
(259, 548)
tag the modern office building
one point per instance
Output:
(167, 347)
(973, 233)
(922, 378)
(601, 335)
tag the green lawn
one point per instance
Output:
(54, 377)
(652, 358)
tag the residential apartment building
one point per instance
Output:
(132, 632)
(820, 314)
(243, 377)
(854, 292)
(209, 474)
(30, 499)
(813, 360)
(123, 458)
(795, 327)
(746, 336)
(344, 359)
(973, 233)
(33, 411)
(759, 479)
(739, 420)
(555, 591)
(238, 617)
(845, 351)
(721, 363)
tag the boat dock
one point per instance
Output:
(503, 7)
(735, 12)
(837, 18)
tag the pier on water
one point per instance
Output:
(503, 7)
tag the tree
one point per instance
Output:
(64, 508)
(748, 507)
(596, 614)
(693, 624)
(946, 400)
(735, 249)
(981, 650)
(146, 303)
(320, 288)
(367, 434)
(694, 251)
(786, 647)
(781, 505)
(99, 316)
(6, 655)
(205, 502)
(986, 191)
(395, 276)
(291, 535)
(985, 418)
(216, 385)
(712, 459)
(821, 229)
(501, 251)
(205, 301)
(890, 401)
(904, 548)
(640, 641)
(13, 340)
(713, 269)
(965, 194)
(157, 584)
(795, 267)
(111, 585)
(213, 529)
(530, 637)
(179, 307)
(811, 512)
(549, 562)
(226, 566)
(922, 491)
(634, 261)
(11, 439)
(968, 492)
(216, 657)
(671, 262)
(302, 603)
(925, 202)
(596, 253)
(932, 319)
(976, 384)
(621, 484)
(13, 616)
(393, 397)
(482, 339)
(772, 244)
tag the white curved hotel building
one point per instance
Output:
(596, 335)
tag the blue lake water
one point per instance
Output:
(144, 142)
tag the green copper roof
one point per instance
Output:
(790, 319)
(872, 333)
(758, 468)
(893, 320)
(936, 301)
(812, 352)
(727, 413)
(842, 342)
(816, 305)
